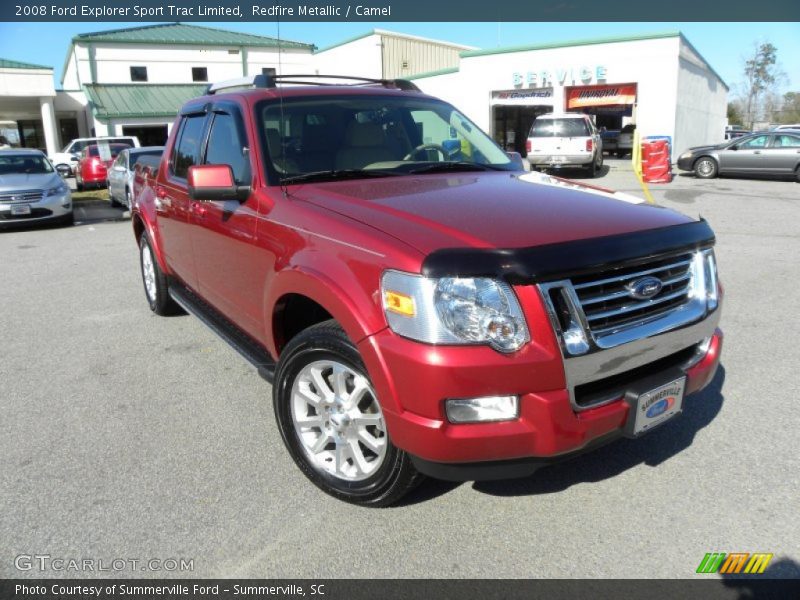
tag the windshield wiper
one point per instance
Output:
(454, 166)
(337, 174)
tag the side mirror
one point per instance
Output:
(74, 158)
(516, 160)
(215, 182)
(735, 147)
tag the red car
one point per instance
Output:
(93, 164)
(420, 308)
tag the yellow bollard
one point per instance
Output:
(636, 160)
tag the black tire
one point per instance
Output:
(68, 220)
(159, 300)
(797, 174)
(326, 341)
(706, 167)
(591, 170)
(112, 200)
(79, 184)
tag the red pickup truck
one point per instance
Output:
(419, 308)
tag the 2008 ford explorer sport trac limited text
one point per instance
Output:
(419, 308)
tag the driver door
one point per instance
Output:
(748, 157)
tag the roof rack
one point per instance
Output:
(262, 81)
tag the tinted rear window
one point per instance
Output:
(559, 128)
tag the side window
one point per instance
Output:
(225, 147)
(787, 141)
(755, 143)
(187, 151)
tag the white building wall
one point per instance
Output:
(26, 82)
(359, 58)
(173, 64)
(698, 123)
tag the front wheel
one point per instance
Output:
(332, 423)
(705, 168)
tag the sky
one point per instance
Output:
(723, 45)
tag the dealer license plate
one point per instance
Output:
(20, 209)
(658, 405)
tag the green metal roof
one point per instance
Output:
(446, 71)
(181, 33)
(585, 42)
(140, 100)
(15, 64)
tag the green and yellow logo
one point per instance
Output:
(735, 562)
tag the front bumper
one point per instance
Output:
(413, 380)
(47, 209)
(686, 163)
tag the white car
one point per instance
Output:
(66, 160)
(793, 126)
(565, 140)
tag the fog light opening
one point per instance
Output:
(487, 409)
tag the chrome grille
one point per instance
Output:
(607, 302)
(21, 196)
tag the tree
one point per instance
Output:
(760, 73)
(734, 114)
(790, 112)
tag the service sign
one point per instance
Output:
(601, 95)
(104, 151)
(523, 97)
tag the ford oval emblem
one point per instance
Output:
(644, 288)
(660, 407)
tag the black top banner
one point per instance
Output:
(398, 10)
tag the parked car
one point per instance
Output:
(30, 189)
(420, 310)
(625, 140)
(794, 126)
(769, 153)
(736, 131)
(609, 138)
(66, 160)
(565, 140)
(120, 176)
(94, 162)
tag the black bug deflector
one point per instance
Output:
(568, 259)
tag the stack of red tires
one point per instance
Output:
(656, 164)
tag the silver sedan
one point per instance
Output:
(767, 153)
(31, 190)
(120, 175)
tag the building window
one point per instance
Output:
(138, 73)
(199, 74)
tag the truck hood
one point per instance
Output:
(482, 210)
(17, 182)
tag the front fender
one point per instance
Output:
(355, 307)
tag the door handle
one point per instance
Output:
(199, 209)
(757, 152)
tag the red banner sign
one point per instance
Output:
(601, 95)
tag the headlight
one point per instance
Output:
(61, 188)
(712, 286)
(454, 310)
(686, 155)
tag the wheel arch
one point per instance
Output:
(299, 298)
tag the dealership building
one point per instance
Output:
(132, 81)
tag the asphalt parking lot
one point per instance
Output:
(125, 435)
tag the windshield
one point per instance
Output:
(31, 164)
(559, 128)
(367, 136)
